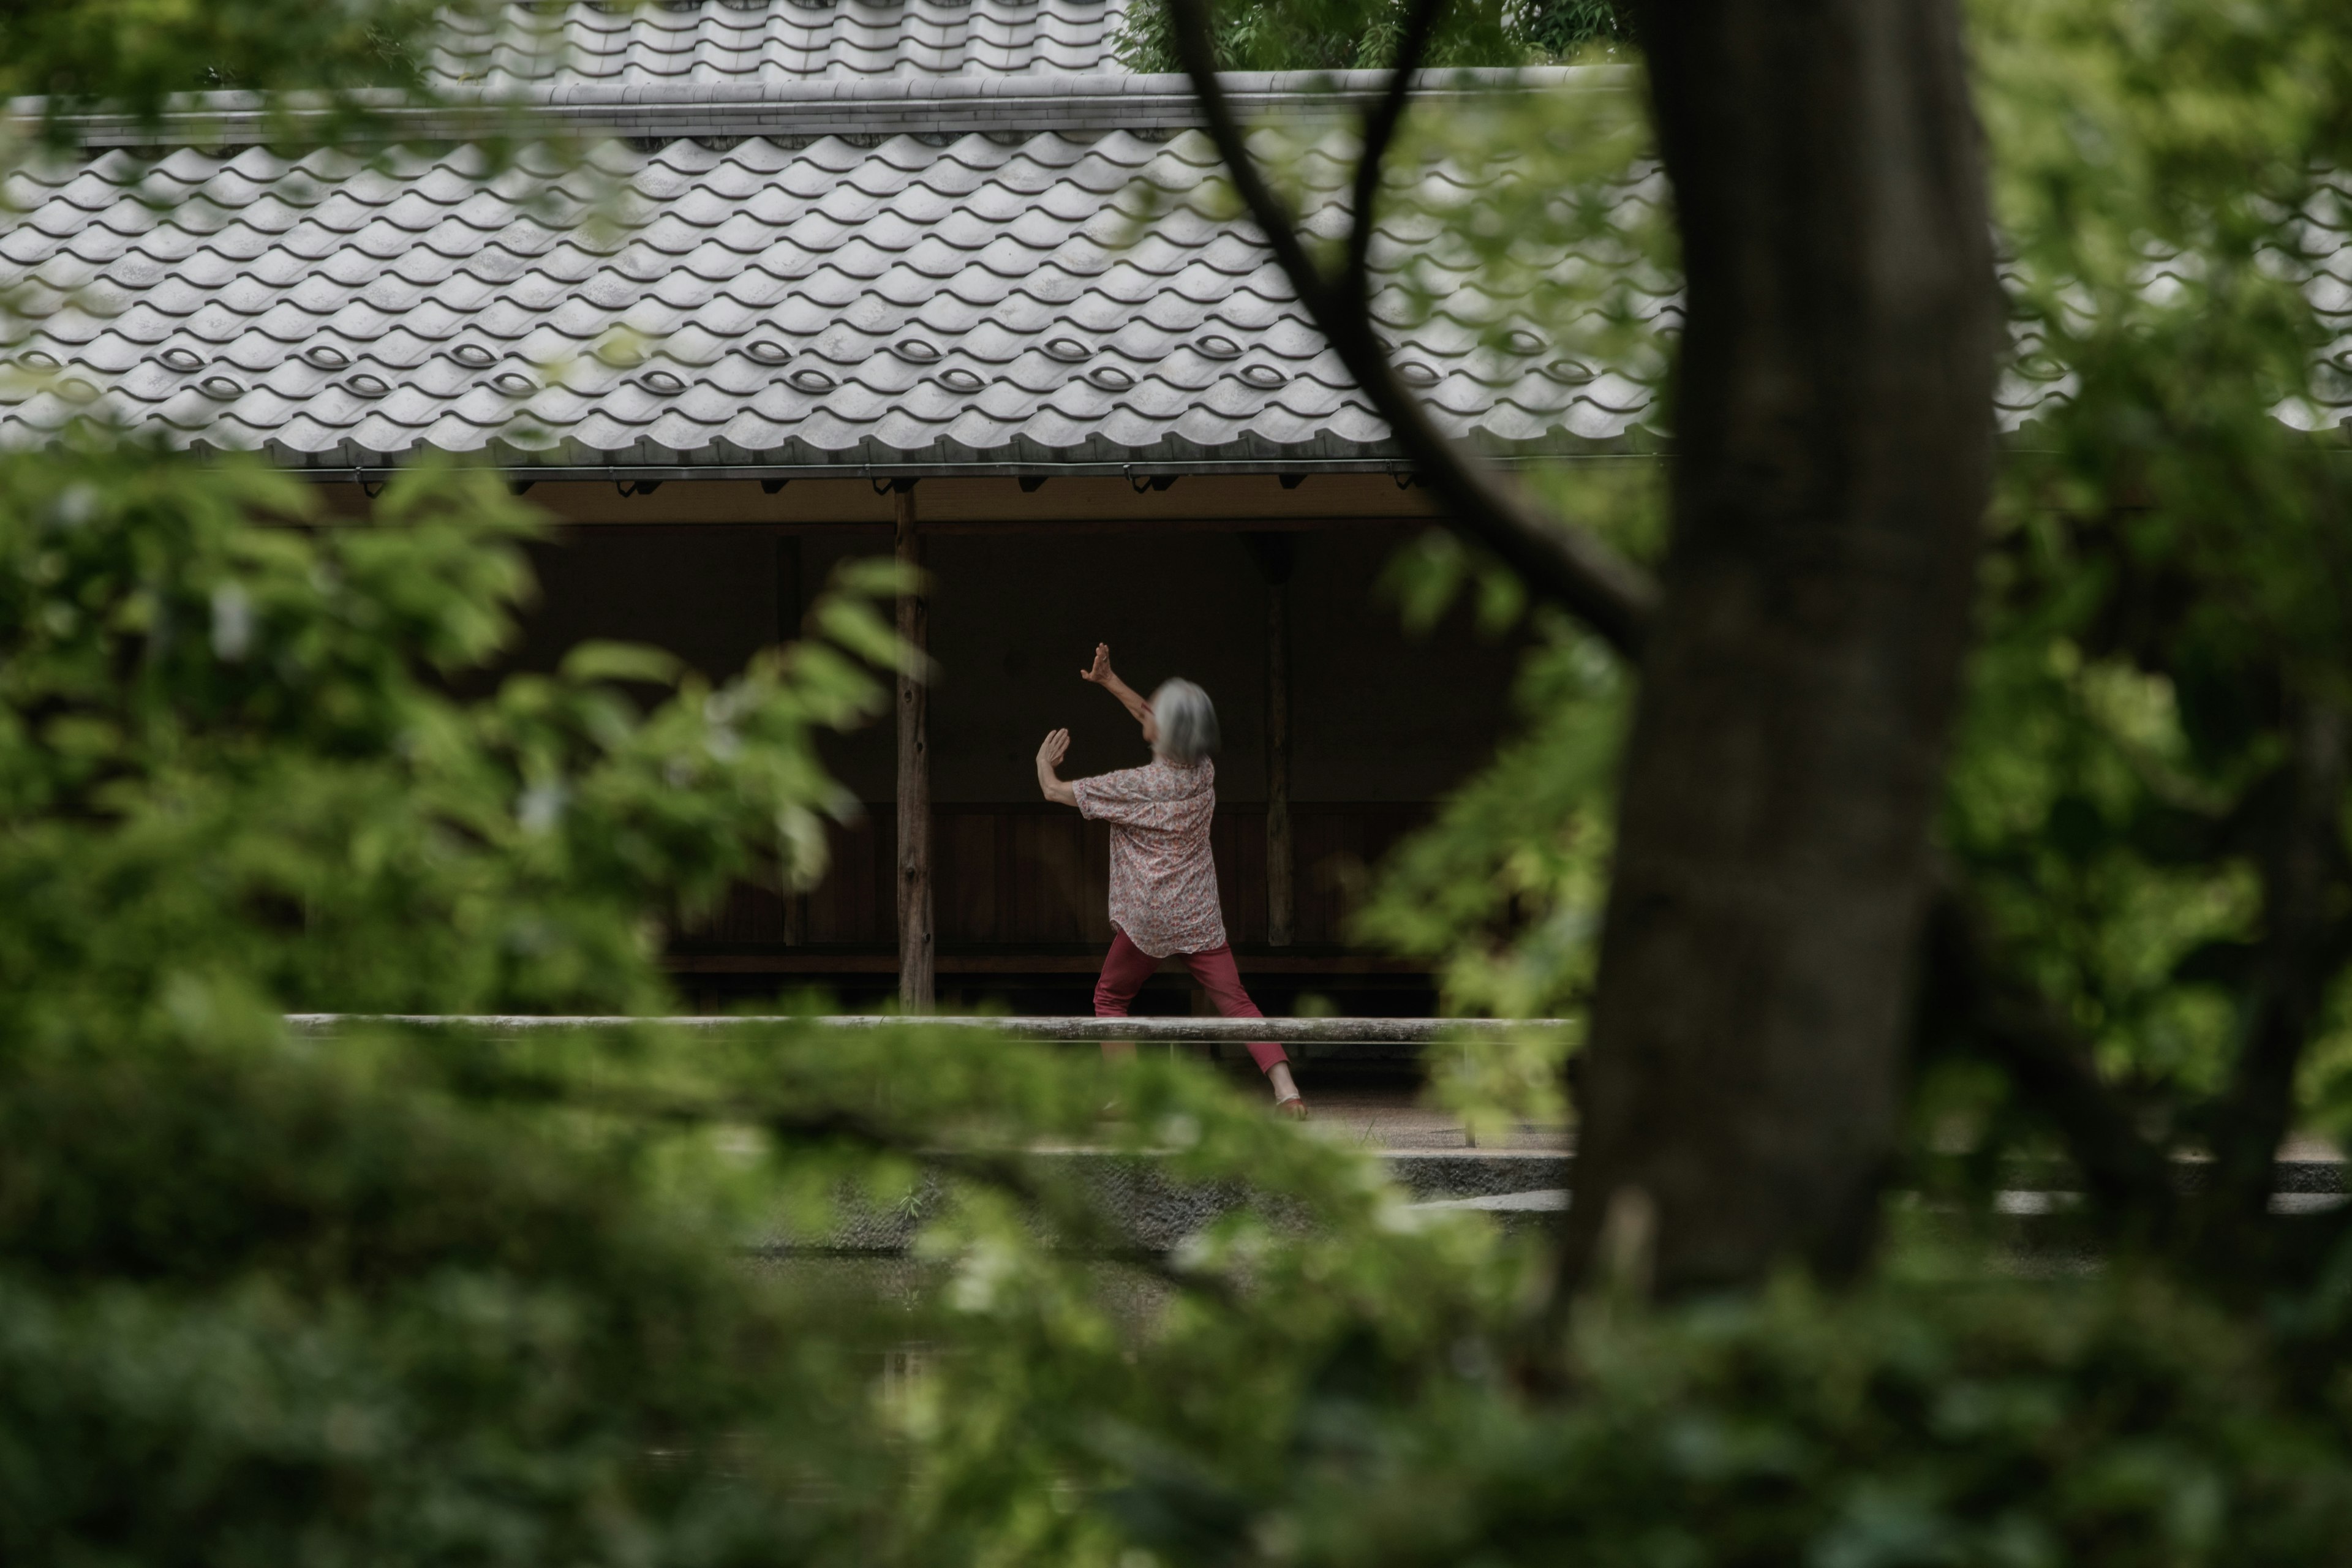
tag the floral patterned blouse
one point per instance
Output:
(1163, 880)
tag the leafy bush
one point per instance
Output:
(260, 1305)
(265, 1298)
(2105, 1424)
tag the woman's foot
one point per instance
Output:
(1288, 1101)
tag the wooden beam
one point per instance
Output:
(788, 629)
(1281, 899)
(1232, 500)
(1289, 1031)
(824, 962)
(916, 957)
(1275, 553)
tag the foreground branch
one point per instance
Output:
(1613, 596)
(1969, 1004)
(2300, 866)
(1379, 130)
(2221, 1237)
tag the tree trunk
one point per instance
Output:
(1832, 411)
(915, 947)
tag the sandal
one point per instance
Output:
(1294, 1108)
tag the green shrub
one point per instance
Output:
(260, 1307)
(2014, 1425)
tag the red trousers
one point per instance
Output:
(1129, 966)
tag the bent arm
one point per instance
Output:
(1049, 757)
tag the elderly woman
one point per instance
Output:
(1163, 883)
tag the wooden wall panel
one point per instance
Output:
(1095, 912)
(1038, 876)
(1238, 841)
(1330, 866)
(1338, 848)
(751, 917)
(969, 877)
(856, 904)
(1052, 878)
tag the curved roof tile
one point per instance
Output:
(729, 41)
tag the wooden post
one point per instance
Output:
(915, 954)
(788, 630)
(1275, 555)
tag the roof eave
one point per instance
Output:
(912, 105)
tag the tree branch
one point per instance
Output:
(1611, 595)
(2300, 866)
(1969, 1006)
(1379, 129)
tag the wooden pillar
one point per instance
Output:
(1275, 554)
(788, 630)
(915, 954)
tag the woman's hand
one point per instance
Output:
(1049, 757)
(1102, 675)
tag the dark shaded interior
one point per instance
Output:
(1384, 725)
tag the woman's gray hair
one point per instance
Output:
(1187, 722)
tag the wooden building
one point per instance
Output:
(933, 277)
(1251, 588)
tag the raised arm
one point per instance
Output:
(1102, 675)
(1049, 757)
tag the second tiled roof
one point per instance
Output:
(768, 41)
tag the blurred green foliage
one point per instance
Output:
(231, 763)
(2165, 589)
(261, 1303)
(1348, 34)
(1566, 29)
(266, 1299)
(135, 58)
(1913, 1423)
(132, 55)
(389, 1294)
(2169, 554)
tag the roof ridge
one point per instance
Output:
(770, 40)
(822, 105)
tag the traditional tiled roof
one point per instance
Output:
(683, 41)
(824, 267)
(936, 299)
(2315, 246)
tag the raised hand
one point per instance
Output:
(1100, 672)
(1049, 757)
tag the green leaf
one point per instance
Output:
(616, 661)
